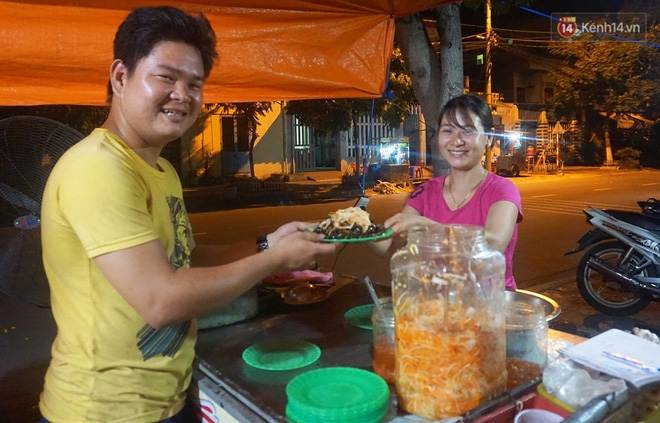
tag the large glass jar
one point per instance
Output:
(448, 293)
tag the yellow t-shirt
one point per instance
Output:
(107, 363)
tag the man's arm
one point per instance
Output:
(163, 295)
(216, 254)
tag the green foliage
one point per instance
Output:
(333, 116)
(628, 158)
(252, 111)
(611, 76)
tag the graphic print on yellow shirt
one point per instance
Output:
(167, 341)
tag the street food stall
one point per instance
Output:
(394, 159)
(232, 390)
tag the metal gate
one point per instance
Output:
(303, 147)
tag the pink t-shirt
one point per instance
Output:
(428, 200)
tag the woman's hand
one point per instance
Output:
(405, 220)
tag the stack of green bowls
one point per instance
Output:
(337, 395)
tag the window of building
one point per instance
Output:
(235, 134)
(520, 95)
(548, 92)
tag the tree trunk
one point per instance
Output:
(253, 142)
(424, 71)
(609, 159)
(433, 86)
(451, 61)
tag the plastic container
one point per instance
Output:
(242, 308)
(448, 293)
(526, 341)
(383, 341)
(337, 394)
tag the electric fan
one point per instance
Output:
(29, 148)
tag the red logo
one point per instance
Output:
(567, 26)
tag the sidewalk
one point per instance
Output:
(308, 187)
(321, 186)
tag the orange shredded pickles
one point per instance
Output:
(445, 369)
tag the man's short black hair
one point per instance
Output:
(145, 27)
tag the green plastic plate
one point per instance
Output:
(360, 316)
(388, 233)
(281, 354)
(337, 394)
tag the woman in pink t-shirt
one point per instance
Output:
(469, 194)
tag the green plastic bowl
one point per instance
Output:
(337, 394)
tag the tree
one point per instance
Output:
(333, 116)
(609, 77)
(433, 85)
(251, 111)
(438, 77)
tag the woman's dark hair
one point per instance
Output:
(145, 27)
(463, 105)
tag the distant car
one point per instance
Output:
(510, 165)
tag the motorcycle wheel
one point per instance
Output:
(603, 293)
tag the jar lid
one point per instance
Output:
(337, 394)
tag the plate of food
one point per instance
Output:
(352, 224)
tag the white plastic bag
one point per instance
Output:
(574, 385)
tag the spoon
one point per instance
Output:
(372, 292)
(305, 293)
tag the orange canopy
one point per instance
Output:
(59, 52)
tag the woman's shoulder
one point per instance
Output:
(500, 181)
(500, 188)
(437, 182)
(429, 187)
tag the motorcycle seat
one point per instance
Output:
(649, 223)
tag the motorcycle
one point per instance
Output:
(620, 273)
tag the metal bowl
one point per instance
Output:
(551, 307)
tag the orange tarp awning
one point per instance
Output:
(59, 52)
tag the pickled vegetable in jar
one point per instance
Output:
(383, 339)
(448, 294)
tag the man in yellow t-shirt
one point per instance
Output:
(117, 242)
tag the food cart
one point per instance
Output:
(394, 159)
(229, 390)
(511, 164)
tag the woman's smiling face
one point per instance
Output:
(462, 140)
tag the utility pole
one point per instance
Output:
(489, 96)
(489, 65)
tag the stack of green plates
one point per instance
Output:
(336, 395)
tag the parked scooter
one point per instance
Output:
(620, 273)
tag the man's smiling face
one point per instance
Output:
(162, 97)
